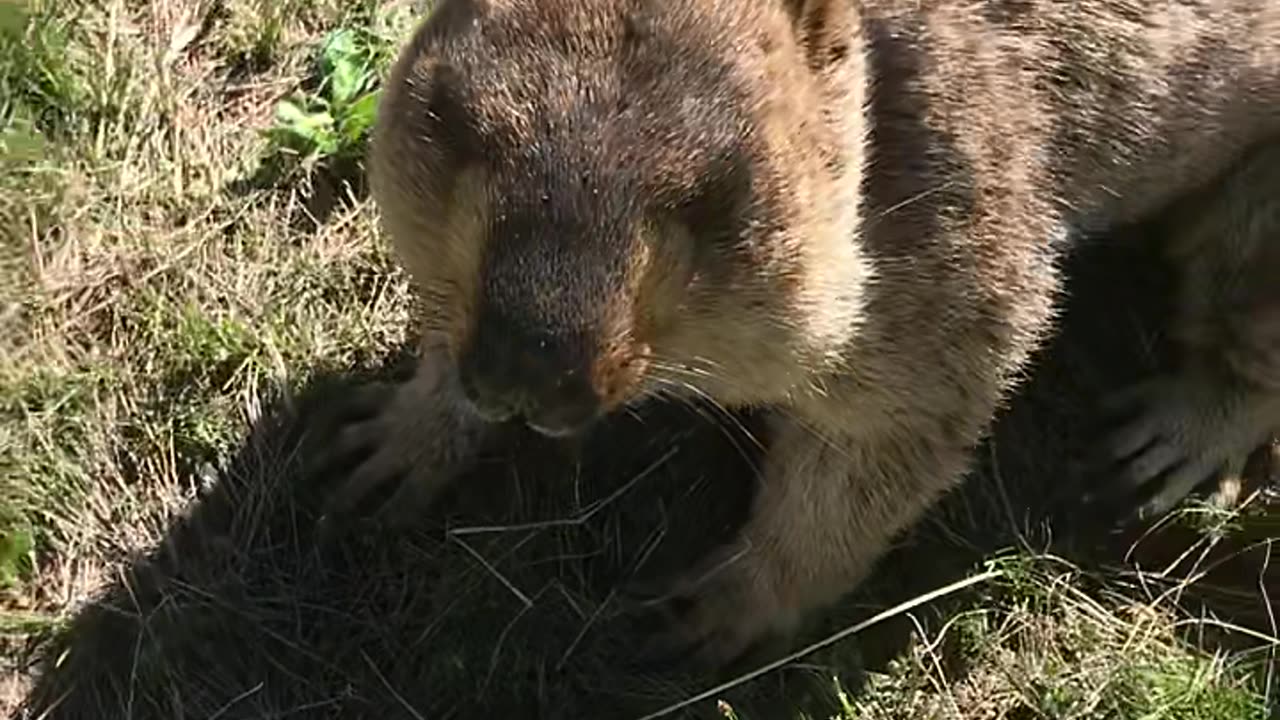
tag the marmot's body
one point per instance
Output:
(849, 212)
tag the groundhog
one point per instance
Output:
(849, 214)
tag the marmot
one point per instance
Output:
(849, 213)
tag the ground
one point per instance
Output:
(191, 271)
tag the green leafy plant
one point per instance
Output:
(331, 123)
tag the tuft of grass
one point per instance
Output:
(1041, 645)
(41, 74)
(253, 33)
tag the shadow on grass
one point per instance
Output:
(241, 613)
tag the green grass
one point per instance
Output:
(152, 306)
(186, 248)
(1042, 647)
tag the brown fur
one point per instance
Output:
(848, 212)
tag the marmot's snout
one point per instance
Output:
(551, 340)
(541, 378)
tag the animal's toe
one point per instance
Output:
(1129, 401)
(670, 646)
(1131, 438)
(365, 402)
(342, 453)
(371, 484)
(704, 632)
(1157, 458)
(1181, 483)
(707, 616)
(409, 500)
(723, 645)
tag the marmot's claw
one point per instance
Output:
(355, 409)
(712, 614)
(1173, 437)
(368, 470)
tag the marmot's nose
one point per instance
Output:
(544, 379)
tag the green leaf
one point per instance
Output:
(342, 64)
(17, 546)
(359, 117)
(303, 131)
(314, 125)
(289, 112)
(338, 45)
(327, 142)
(345, 81)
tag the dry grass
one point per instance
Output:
(154, 305)
(169, 312)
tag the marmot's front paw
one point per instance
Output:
(715, 612)
(396, 447)
(1180, 432)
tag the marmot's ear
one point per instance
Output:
(826, 29)
(452, 16)
(466, 7)
(445, 18)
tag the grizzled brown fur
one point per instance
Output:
(850, 213)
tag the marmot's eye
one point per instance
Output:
(716, 210)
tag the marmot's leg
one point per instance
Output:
(1200, 422)
(828, 508)
(403, 441)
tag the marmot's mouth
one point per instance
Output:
(545, 415)
(560, 421)
(492, 415)
(545, 424)
(559, 431)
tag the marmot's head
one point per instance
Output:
(601, 199)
